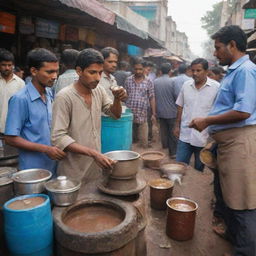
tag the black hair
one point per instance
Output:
(232, 33)
(69, 57)
(123, 64)
(165, 68)
(107, 50)
(138, 61)
(38, 56)
(217, 70)
(88, 57)
(201, 61)
(148, 64)
(183, 68)
(5, 55)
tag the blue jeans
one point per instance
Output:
(184, 153)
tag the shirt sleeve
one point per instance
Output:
(61, 116)
(151, 91)
(106, 103)
(17, 116)
(245, 91)
(180, 99)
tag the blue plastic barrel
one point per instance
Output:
(29, 232)
(116, 134)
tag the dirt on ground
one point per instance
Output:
(196, 186)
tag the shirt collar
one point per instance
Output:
(110, 77)
(14, 77)
(33, 92)
(237, 63)
(207, 83)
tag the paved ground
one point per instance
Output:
(196, 186)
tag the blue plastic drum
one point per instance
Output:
(28, 225)
(116, 134)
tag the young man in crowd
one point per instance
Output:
(195, 99)
(166, 109)
(232, 124)
(9, 84)
(107, 80)
(28, 125)
(68, 60)
(77, 112)
(140, 92)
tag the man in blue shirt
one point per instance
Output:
(232, 123)
(28, 124)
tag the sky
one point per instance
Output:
(187, 15)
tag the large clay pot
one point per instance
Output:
(119, 231)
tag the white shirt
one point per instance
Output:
(7, 89)
(195, 103)
(107, 82)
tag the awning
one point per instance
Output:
(125, 25)
(250, 5)
(93, 8)
(151, 52)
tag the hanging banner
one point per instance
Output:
(7, 22)
(47, 28)
(26, 25)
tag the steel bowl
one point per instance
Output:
(63, 191)
(30, 181)
(127, 165)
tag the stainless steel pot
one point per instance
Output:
(6, 190)
(63, 191)
(30, 181)
(128, 163)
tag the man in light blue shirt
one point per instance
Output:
(232, 124)
(28, 124)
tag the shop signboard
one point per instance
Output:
(250, 14)
(7, 22)
(47, 28)
(26, 25)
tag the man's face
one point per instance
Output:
(47, 74)
(147, 70)
(138, 70)
(222, 53)
(110, 63)
(199, 74)
(6, 68)
(90, 76)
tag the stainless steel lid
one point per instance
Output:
(32, 176)
(5, 181)
(62, 185)
(7, 171)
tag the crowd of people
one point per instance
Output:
(55, 121)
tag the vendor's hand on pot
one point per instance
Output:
(199, 124)
(103, 161)
(119, 93)
(55, 153)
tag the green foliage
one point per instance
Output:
(211, 20)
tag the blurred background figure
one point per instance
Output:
(216, 73)
(18, 72)
(123, 72)
(68, 61)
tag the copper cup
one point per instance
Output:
(160, 191)
(181, 217)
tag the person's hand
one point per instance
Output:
(55, 153)
(176, 131)
(103, 161)
(119, 93)
(199, 124)
(153, 119)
